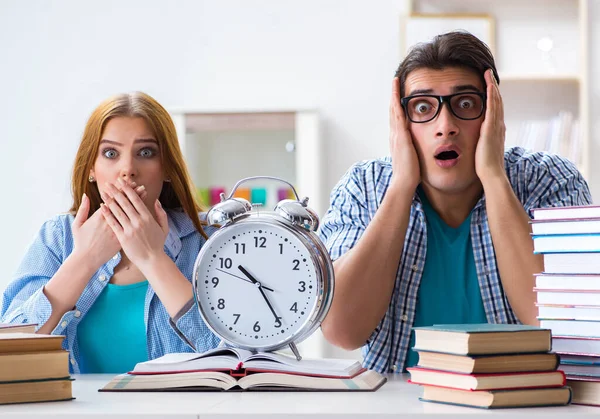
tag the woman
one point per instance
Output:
(114, 275)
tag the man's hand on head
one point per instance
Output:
(489, 155)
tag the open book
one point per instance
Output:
(240, 362)
(268, 381)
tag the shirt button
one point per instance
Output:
(115, 257)
(77, 313)
(102, 278)
(64, 324)
(415, 268)
(72, 361)
(394, 368)
(404, 317)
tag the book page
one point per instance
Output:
(271, 361)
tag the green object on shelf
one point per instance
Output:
(204, 197)
(259, 196)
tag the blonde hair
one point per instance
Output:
(175, 194)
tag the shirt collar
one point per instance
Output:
(180, 226)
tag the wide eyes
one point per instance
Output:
(146, 153)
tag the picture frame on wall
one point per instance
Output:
(423, 27)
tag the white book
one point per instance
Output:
(576, 345)
(565, 312)
(567, 243)
(572, 263)
(552, 227)
(574, 212)
(572, 327)
(568, 282)
(567, 297)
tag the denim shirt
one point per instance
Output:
(24, 301)
(537, 179)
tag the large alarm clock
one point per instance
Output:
(264, 280)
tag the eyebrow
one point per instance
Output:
(139, 140)
(455, 89)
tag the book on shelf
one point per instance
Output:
(568, 312)
(236, 359)
(29, 342)
(36, 391)
(482, 339)
(576, 345)
(574, 226)
(586, 390)
(567, 297)
(585, 282)
(553, 396)
(17, 328)
(367, 380)
(484, 364)
(572, 327)
(500, 381)
(566, 243)
(572, 263)
(566, 213)
(34, 365)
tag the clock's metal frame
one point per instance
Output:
(295, 218)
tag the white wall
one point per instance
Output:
(59, 59)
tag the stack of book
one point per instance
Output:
(568, 292)
(33, 367)
(488, 366)
(239, 370)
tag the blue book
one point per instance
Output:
(482, 339)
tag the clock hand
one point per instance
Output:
(243, 279)
(260, 288)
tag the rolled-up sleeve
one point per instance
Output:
(24, 300)
(190, 327)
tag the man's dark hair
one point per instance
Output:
(452, 49)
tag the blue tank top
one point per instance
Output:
(449, 290)
(112, 335)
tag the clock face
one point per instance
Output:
(256, 284)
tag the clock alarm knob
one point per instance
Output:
(298, 213)
(228, 210)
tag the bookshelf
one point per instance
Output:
(541, 49)
(223, 147)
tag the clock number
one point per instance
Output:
(302, 286)
(281, 248)
(237, 317)
(225, 263)
(296, 263)
(262, 240)
(239, 246)
(215, 282)
(278, 322)
(221, 304)
(256, 327)
(294, 307)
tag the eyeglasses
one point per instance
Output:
(425, 108)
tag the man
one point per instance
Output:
(439, 232)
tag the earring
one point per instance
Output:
(167, 180)
(91, 179)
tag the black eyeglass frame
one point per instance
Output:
(441, 100)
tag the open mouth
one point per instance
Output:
(447, 155)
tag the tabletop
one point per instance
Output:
(396, 398)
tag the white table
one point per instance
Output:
(396, 398)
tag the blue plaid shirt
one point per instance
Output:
(24, 301)
(537, 179)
